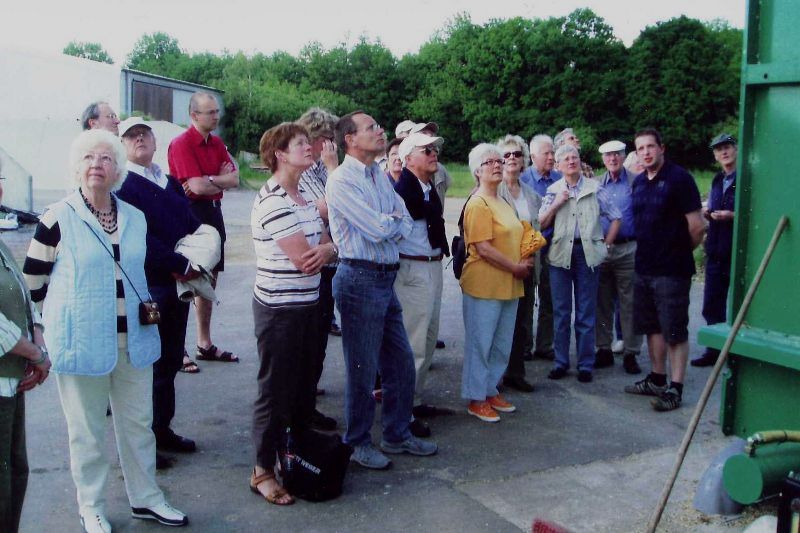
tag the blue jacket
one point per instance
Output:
(169, 219)
(80, 309)
(719, 240)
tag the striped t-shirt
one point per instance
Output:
(43, 255)
(276, 216)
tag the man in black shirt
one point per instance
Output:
(668, 227)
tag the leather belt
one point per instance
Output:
(369, 265)
(422, 258)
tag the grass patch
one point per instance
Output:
(250, 178)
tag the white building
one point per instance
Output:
(43, 98)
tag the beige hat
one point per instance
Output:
(611, 146)
(404, 127)
(416, 140)
(419, 126)
(130, 122)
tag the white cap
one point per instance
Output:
(130, 122)
(419, 126)
(404, 127)
(415, 140)
(611, 146)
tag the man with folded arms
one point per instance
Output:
(419, 280)
(367, 220)
(200, 161)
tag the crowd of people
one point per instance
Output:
(103, 297)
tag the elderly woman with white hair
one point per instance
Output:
(573, 206)
(491, 282)
(526, 203)
(85, 265)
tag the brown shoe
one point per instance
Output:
(277, 496)
(499, 403)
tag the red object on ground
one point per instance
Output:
(544, 526)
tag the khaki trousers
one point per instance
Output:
(419, 289)
(84, 400)
(616, 277)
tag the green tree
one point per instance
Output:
(157, 53)
(92, 51)
(683, 82)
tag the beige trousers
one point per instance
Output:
(419, 289)
(84, 400)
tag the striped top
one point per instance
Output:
(366, 215)
(313, 180)
(42, 256)
(275, 216)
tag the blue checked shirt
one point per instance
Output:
(367, 218)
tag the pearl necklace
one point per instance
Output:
(107, 219)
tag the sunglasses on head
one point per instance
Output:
(515, 153)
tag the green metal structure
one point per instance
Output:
(761, 387)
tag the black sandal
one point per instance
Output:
(212, 353)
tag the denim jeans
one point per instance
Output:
(13, 460)
(489, 330)
(373, 339)
(581, 281)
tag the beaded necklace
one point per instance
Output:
(107, 219)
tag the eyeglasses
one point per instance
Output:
(111, 116)
(515, 153)
(428, 150)
(492, 162)
(134, 135)
(212, 112)
(104, 159)
(373, 127)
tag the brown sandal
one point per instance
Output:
(271, 497)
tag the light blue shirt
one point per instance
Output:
(619, 192)
(367, 217)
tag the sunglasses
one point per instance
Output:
(515, 153)
(428, 150)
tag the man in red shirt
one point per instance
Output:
(201, 162)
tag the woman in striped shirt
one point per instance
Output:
(291, 246)
(100, 351)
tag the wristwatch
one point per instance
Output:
(211, 179)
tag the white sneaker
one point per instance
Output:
(163, 513)
(95, 524)
(618, 346)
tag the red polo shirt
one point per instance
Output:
(190, 156)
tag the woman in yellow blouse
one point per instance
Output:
(491, 283)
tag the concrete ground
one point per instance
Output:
(586, 456)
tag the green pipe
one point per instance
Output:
(749, 478)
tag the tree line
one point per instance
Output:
(481, 81)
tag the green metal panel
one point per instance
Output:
(762, 384)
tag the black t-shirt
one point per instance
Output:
(660, 205)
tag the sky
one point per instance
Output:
(402, 26)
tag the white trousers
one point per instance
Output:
(84, 400)
(419, 289)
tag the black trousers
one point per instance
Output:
(522, 330)
(172, 329)
(325, 314)
(715, 293)
(287, 340)
(13, 461)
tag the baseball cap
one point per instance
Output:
(415, 140)
(129, 123)
(722, 138)
(419, 126)
(404, 127)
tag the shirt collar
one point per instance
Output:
(151, 172)
(197, 137)
(538, 177)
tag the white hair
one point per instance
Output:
(561, 138)
(477, 154)
(88, 140)
(516, 140)
(564, 150)
(538, 141)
